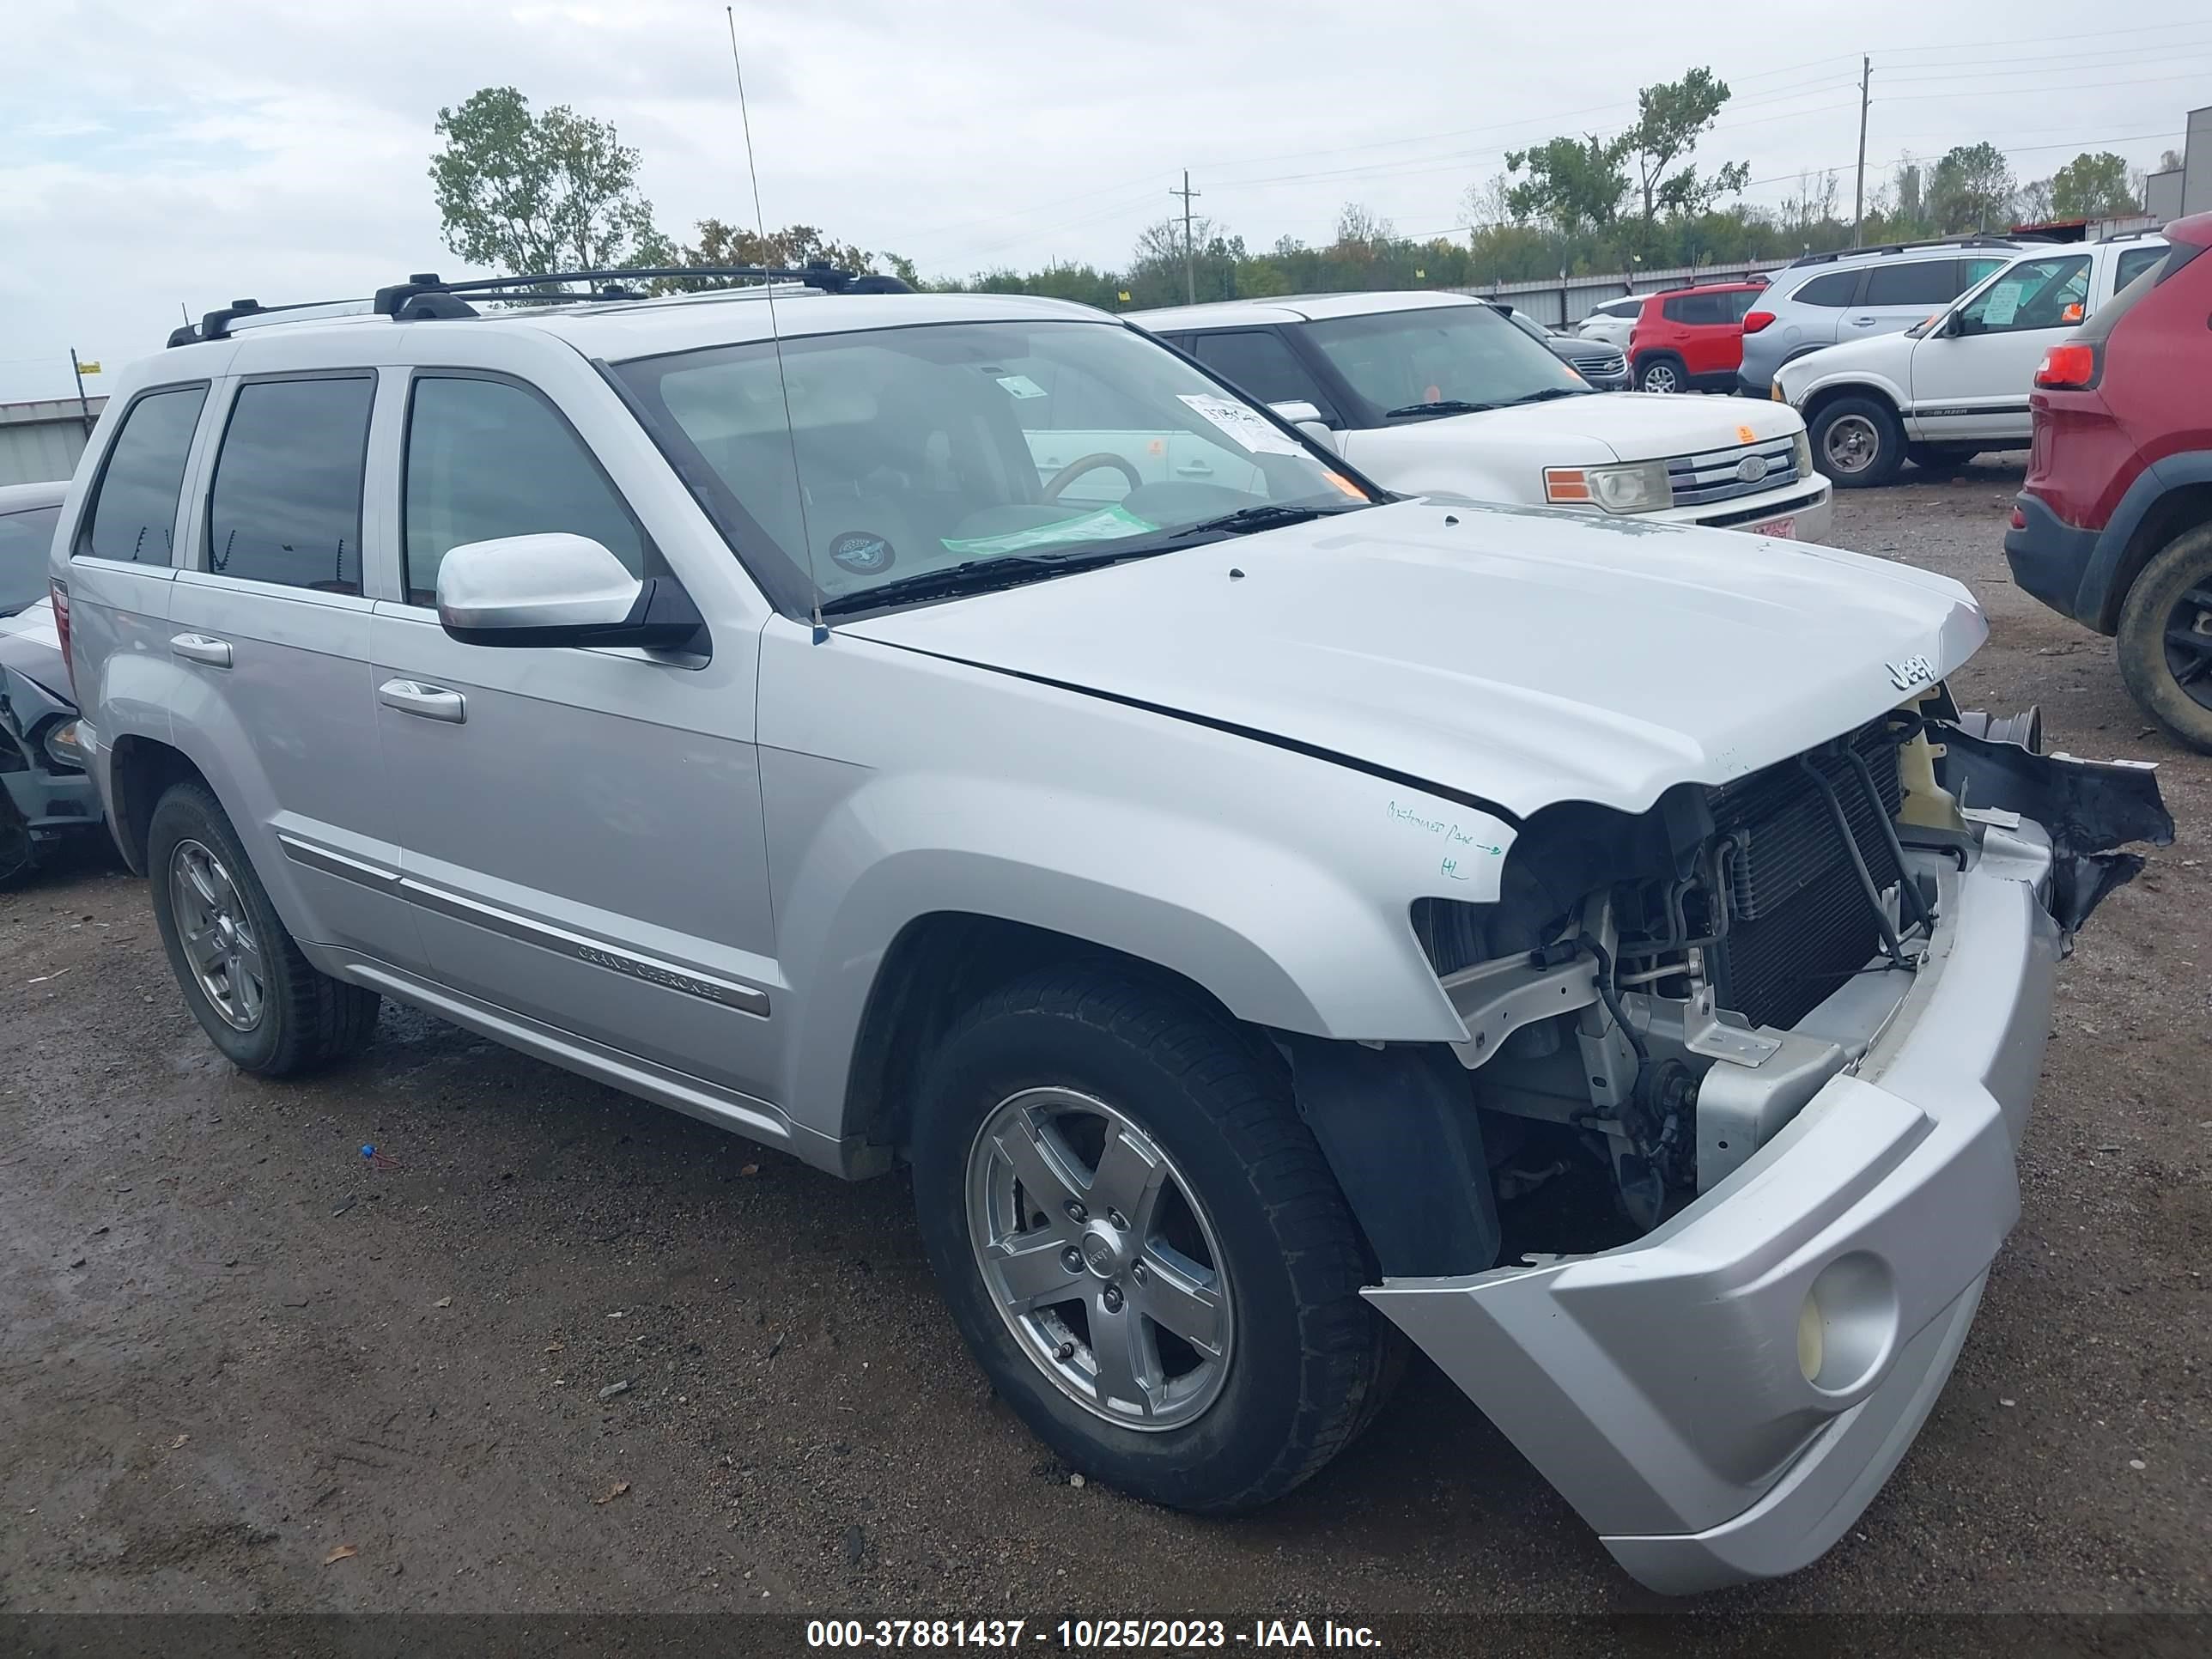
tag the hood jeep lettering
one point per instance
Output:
(1909, 672)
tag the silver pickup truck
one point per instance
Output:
(1274, 920)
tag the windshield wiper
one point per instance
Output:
(979, 576)
(1442, 406)
(1271, 515)
(1549, 392)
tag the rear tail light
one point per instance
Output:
(1755, 321)
(2069, 366)
(2020, 517)
(60, 591)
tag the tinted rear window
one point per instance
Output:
(1700, 308)
(286, 506)
(1913, 283)
(134, 516)
(2132, 263)
(25, 539)
(1833, 289)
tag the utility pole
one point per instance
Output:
(1858, 195)
(1189, 271)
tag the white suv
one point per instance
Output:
(1428, 392)
(1613, 322)
(1227, 897)
(1953, 385)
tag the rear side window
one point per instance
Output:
(2132, 263)
(1971, 272)
(1834, 289)
(486, 459)
(286, 504)
(25, 539)
(134, 514)
(1699, 308)
(1913, 283)
(1262, 365)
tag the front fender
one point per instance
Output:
(1273, 932)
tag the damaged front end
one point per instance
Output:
(1790, 1025)
(46, 796)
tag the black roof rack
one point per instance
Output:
(425, 297)
(1977, 238)
(2132, 236)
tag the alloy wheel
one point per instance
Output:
(2189, 644)
(217, 935)
(1100, 1258)
(1661, 377)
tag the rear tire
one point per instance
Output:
(2164, 640)
(1018, 1111)
(1857, 442)
(258, 998)
(1662, 373)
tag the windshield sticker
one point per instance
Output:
(862, 553)
(1245, 427)
(1110, 523)
(2003, 305)
(1020, 385)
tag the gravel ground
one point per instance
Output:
(572, 1353)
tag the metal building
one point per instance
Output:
(41, 441)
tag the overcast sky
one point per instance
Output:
(157, 153)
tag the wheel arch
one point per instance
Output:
(141, 770)
(1820, 397)
(2178, 497)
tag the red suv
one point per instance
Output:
(2113, 525)
(1691, 339)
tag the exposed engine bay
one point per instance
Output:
(1658, 994)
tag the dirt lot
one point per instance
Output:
(572, 1353)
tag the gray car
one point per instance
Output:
(1604, 368)
(47, 800)
(1826, 299)
(1229, 886)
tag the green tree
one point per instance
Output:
(1670, 118)
(2092, 187)
(521, 192)
(1572, 184)
(1971, 188)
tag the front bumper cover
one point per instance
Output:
(1659, 1386)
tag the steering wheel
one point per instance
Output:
(1083, 463)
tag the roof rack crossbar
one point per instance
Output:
(390, 302)
(216, 325)
(1965, 239)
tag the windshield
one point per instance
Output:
(946, 449)
(25, 540)
(1443, 357)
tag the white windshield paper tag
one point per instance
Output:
(1020, 385)
(2004, 306)
(1245, 427)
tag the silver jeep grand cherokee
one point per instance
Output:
(955, 729)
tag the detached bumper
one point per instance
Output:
(1663, 1387)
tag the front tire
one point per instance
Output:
(1141, 1243)
(257, 997)
(2164, 640)
(1858, 442)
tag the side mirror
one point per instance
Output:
(557, 589)
(1307, 418)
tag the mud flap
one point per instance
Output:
(2088, 807)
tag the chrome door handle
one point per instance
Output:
(432, 702)
(1194, 470)
(1864, 322)
(198, 648)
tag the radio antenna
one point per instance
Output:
(775, 333)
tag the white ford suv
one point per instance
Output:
(1428, 392)
(1228, 896)
(1957, 383)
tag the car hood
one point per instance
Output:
(1886, 352)
(1525, 655)
(1630, 426)
(30, 645)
